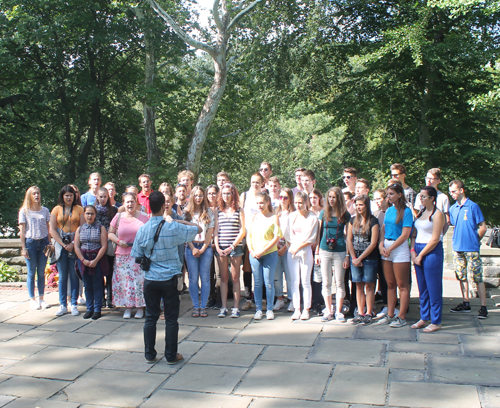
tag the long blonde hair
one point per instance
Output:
(340, 208)
(28, 203)
(189, 211)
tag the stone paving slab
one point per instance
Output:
(481, 346)
(409, 361)
(329, 350)
(182, 399)
(213, 321)
(205, 378)
(7, 305)
(9, 314)
(239, 355)
(430, 395)
(125, 361)
(285, 380)
(4, 399)
(124, 389)
(39, 403)
(400, 375)
(68, 339)
(16, 351)
(491, 330)
(459, 325)
(213, 334)
(9, 331)
(98, 327)
(39, 333)
(358, 385)
(34, 317)
(4, 378)
(288, 403)
(437, 337)
(31, 387)
(345, 330)
(490, 396)
(385, 332)
(464, 370)
(67, 323)
(416, 347)
(286, 353)
(53, 362)
(6, 363)
(282, 334)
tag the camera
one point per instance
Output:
(331, 242)
(144, 262)
(66, 239)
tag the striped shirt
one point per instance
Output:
(229, 228)
(90, 236)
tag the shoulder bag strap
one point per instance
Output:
(157, 235)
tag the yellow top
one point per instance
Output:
(262, 231)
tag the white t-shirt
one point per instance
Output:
(35, 223)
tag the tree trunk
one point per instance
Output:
(207, 114)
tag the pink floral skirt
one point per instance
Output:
(128, 283)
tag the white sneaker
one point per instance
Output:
(305, 315)
(296, 315)
(44, 305)
(290, 307)
(139, 314)
(279, 304)
(339, 317)
(34, 304)
(382, 313)
(127, 314)
(270, 315)
(74, 311)
(81, 301)
(62, 310)
(258, 315)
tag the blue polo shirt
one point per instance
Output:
(392, 230)
(87, 199)
(466, 219)
(165, 263)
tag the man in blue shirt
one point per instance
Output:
(161, 279)
(470, 228)
(90, 196)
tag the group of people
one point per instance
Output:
(343, 239)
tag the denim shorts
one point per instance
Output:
(238, 251)
(367, 273)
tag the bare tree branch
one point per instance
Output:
(238, 16)
(179, 31)
(238, 6)
(215, 12)
(236, 132)
(231, 60)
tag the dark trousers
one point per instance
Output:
(93, 290)
(154, 292)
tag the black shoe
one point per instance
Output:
(211, 303)
(88, 315)
(461, 308)
(483, 313)
(96, 315)
(110, 305)
(218, 304)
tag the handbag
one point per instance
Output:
(110, 250)
(494, 240)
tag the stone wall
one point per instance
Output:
(10, 253)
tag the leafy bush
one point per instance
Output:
(8, 273)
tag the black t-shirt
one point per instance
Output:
(362, 241)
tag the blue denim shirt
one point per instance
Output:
(165, 263)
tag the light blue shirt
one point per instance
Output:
(392, 230)
(165, 263)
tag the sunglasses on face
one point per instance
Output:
(264, 169)
(346, 177)
(283, 197)
(395, 175)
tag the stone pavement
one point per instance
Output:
(68, 362)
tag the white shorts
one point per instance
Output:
(398, 255)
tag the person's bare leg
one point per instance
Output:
(370, 297)
(401, 273)
(360, 297)
(481, 290)
(392, 293)
(235, 274)
(224, 279)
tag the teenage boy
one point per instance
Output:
(398, 171)
(266, 171)
(90, 196)
(222, 178)
(298, 176)
(112, 192)
(143, 196)
(350, 177)
(432, 179)
(308, 180)
(274, 191)
(363, 187)
(470, 228)
(181, 199)
(186, 177)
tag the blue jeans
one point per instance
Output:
(154, 292)
(93, 289)
(199, 268)
(263, 270)
(430, 283)
(66, 267)
(282, 266)
(36, 265)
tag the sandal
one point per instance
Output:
(162, 315)
(420, 324)
(432, 328)
(203, 313)
(195, 313)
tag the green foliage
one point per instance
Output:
(8, 273)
